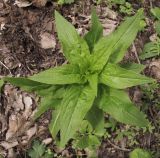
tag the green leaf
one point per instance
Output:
(140, 153)
(76, 104)
(54, 125)
(156, 12)
(33, 86)
(137, 68)
(65, 1)
(157, 27)
(151, 49)
(74, 47)
(118, 105)
(96, 118)
(37, 151)
(124, 36)
(65, 74)
(89, 141)
(95, 32)
(120, 78)
(26, 84)
(46, 103)
(1, 84)
(116, 43)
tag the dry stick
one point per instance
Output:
(6, 67)
(151, 4)
(117, 147)
(135, 52)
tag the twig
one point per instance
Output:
(135, 52)
(151, 4)
(6, 67)
(117, 147)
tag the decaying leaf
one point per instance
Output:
(47, 41)
(22, 3)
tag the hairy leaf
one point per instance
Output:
(120, 78)
(65, 74)
(74, 47)
(118, 105)
(95, 32)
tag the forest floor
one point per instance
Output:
(29, 44)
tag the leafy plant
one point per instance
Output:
(92, 82)
(124, 6)
(39, 150)
(139, 153)
(152, 49)
(156, 12)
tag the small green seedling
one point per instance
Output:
(39, 150)
(140, 153)
(92, 82)
(152, 49)
(124, 6)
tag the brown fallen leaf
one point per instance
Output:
(155, 68)
(8, 145)
(3, 123)
(47, 141)
(31, 132)
(15, 123)
(28, 106)
(22, 3)
(11, 153)
(39, 3)
(47, 41)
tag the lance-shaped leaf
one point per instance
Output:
(118, 105)
(133, 67)
(95, 32)
(127, 33)
(65, 74)
(26, 84)
(75, 107)
(74, 47)
(33, 86)
(54, 125)
(120, 78)
(47, 103)
(116, 43)
(95, 116)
